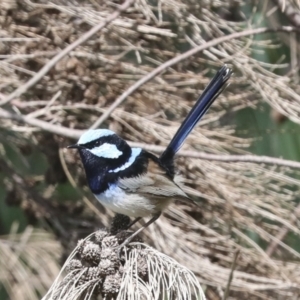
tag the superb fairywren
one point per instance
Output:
(132, 181)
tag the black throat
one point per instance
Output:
(97, 168)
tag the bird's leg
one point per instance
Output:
(133, 222)
(129, 239)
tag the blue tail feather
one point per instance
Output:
(208, 96)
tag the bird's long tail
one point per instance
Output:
(211, 92)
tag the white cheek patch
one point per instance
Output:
(134, 153)
(106, 150)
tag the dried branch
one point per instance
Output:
(63, 131)
(283, 232)
(75, 134)
(291, 13)
(226, 294)
(225, 158)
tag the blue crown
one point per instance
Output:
(93, 135)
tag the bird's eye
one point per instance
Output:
(97, 143)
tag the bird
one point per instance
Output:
(132, 181)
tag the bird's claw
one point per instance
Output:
(119, 249)
(119, 252)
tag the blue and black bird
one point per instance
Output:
(135, 182)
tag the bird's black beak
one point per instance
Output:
(75, 146)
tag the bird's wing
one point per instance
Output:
(154, 182)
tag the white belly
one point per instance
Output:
(132, 205)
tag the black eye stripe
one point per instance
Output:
(93, 144)
(111, 139)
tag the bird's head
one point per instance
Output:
(107, 157)
(102, 147)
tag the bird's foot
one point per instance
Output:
(119, 251)
(123, 245)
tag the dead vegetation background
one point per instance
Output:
(246, 203)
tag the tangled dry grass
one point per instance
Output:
(237, 200)
(22, 255)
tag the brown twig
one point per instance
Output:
(226, 294)
(75, 134)
(181, 57)
(38, 76)
(292, 14)
(283, 232)
(225, 158)
(57, 129)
